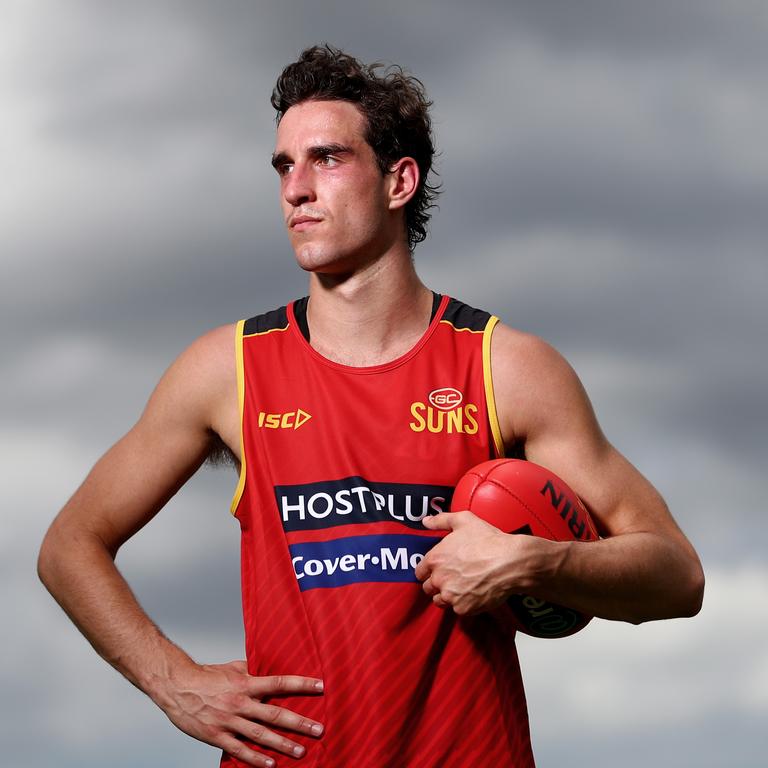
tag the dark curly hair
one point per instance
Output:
(393, 103)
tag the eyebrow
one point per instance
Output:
(321, 150)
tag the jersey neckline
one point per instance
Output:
(367, 369)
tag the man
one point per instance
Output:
(347, 459)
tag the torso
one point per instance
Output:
(225, 417)
(341, 464)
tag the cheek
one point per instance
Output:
(368, 207)
(285, 208)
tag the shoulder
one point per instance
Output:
(524, 347)
(524, 359)
(464, 317)
(535, 387)
(201, 377)
(275, 319)
(210, 358)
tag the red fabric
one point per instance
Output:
(406, 683)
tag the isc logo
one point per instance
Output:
(289, 420)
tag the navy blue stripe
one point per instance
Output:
(358, 559)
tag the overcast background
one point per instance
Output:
(606, 187)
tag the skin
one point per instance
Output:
(643, 569)
(345, 221)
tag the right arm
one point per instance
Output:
(195, 401)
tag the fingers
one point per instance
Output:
(441, 522)
(221, 705)
(423, 568)
(250, 724)
(253, 718)
(283, 684)
(430, 590)
(444, 521)
(261, 736)
(245, 754)
(280, 717)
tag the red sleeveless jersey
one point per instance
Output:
(339, 466)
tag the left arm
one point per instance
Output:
(644, 568)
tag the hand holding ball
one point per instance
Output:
(521, 497)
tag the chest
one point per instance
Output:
(422, 421)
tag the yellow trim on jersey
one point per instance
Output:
(460, 330)
(490, 400)
(241, 406)
(264, 333)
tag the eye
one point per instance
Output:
(283, 169)
(329, 161)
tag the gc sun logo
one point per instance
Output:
(444, 413)
(445, 399)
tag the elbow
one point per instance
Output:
(679, 599)
(46, 560)
(53, 558)
(684, 585)
(67, 550)
(688, 591)
(694, 593)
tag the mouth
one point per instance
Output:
(301, 223)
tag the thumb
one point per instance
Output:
(441, 522)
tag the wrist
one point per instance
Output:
(542, 562)
(166, 674)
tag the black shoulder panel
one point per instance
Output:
(269, 321)
(436, 299)
(300, 313)
(462, 316)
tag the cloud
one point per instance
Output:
(661, 149)
(189, 584)
(605, 187)
(656, 681)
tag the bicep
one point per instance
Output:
(544, 407)
(132, 482)
(144, 469)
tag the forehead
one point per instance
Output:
(315, 123)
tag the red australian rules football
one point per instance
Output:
(518, 496)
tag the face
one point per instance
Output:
(334, 197)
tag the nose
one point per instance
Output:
(298, 186)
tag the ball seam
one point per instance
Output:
(522, 503)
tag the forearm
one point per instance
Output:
(217, 704)
(79, 571)
(632, 577)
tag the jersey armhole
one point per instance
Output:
(490, 400)
(241, 408)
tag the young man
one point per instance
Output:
(370, 640)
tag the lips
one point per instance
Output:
(301, 223)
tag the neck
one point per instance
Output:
(370, 317)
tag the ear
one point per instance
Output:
(403, 182)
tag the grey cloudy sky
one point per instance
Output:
(605, 186)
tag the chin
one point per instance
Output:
(319, 261)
